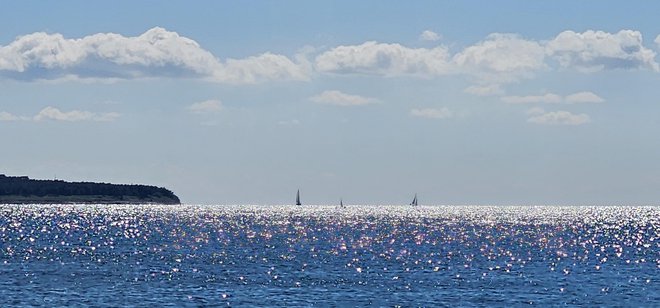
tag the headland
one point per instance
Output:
(23, 190)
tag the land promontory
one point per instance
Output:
(23, 190)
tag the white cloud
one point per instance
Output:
(103, 54)
(261, 68)
(52, 113)
(501, 58)
(155, 53)
(384, 59)
(583, 97)
(560, 118)
(546, 98)
(342, 99)
(6, 116)
(535, 111)
(486, 90)
(207, 106)
(432, 113)
(429, 35)
(598, 50)
(575, 98)
(497, 60)
(657, 41)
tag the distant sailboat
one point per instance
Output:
(341, 203)
(414, 202)
(298, 198)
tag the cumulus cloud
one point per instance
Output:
(384, 59)
(429, 35)
(583, 97)
(559, 118)
(6, 116)
(575, 98)
(484, 90)
(52, 113)
(501, 58)
(155, 53)
(339, 98)
(546, 98)
(207, 106)
(598, 50)
(261, 68)
(432, 113)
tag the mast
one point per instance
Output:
(298, 198)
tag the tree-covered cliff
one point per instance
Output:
(25, 190)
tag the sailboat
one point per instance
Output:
(414, 202)
(298, 198)
(341, 203)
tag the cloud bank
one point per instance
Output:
(373, 58)
(598, 50)
(155, 53)
(498, 59)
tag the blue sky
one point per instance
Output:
(507, 102)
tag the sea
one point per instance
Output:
(327, 256)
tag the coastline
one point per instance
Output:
(23, 190)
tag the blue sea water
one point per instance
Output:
(145, 255)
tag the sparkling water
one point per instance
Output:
(140, 255)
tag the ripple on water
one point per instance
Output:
(277, 255)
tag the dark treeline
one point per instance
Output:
(23, 186)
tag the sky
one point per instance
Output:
(461, 102)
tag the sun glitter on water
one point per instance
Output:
(379, 255)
